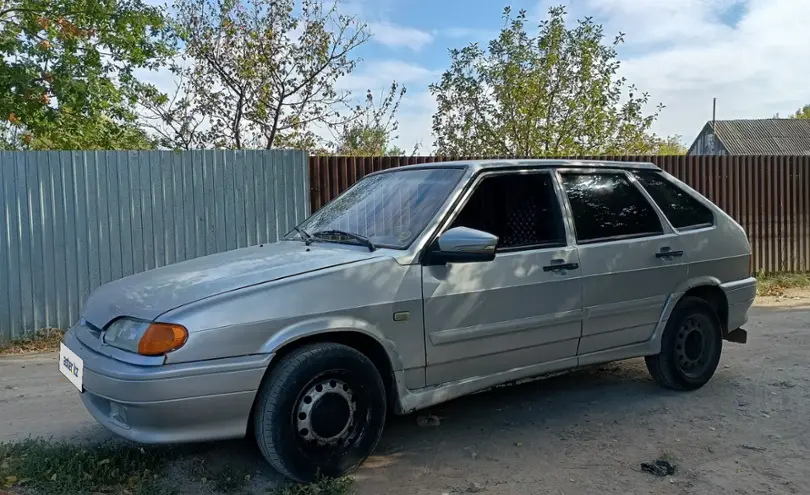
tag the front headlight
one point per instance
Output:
(125, 334)
(143, 337)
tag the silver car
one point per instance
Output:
(415, 286)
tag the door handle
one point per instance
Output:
(667, 253)
(558, 266)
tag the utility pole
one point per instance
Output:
(714, 132)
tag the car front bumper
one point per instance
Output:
(188, 402)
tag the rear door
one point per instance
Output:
(707, 252)
(522, 309)
(631, 259)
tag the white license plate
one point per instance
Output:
(71, 366)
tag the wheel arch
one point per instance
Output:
(354, 333)
(347, 330)
(707, 288)
(716, 297)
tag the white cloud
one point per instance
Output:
(415, 121)
(389, 34)
(163, 79)
(466, 34)
(417, 106)
(377, 75)
(662, 21)
(755, 68)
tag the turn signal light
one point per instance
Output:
(161, 338)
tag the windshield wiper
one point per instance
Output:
(305, 236)
(357, 237)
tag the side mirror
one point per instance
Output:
(463, 245)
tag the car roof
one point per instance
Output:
(493, 164)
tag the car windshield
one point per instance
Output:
(389, 209)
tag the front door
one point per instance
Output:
(631, 261)
(523, 308)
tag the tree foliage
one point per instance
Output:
(670, 145)
(373, 126)
(261, 73)
(66, 70)
(554, 93)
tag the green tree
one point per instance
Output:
(99, 133)
(260, 73)
(802, 113)
(670, 145)
(66, 70)
(551, 94)
(371, 129)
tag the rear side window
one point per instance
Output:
(607, 206)
(682, 210)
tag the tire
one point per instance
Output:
(320, 412)
(690, 347)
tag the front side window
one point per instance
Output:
(521, 209)
(390, 209)
(682, 210)
(607, 206)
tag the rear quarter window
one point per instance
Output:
(681, 208)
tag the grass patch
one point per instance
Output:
(45, 340)
(60, 468)
(227, 478)
(41, 467)
(777, 284)
(325, 486)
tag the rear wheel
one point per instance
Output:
(690, 347)
(321, 412)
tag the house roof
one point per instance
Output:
(764, 136)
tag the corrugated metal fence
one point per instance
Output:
(71, 221)
(768, 195)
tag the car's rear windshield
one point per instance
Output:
(390, 209)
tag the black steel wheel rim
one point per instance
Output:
(694, 346)
(330, 416)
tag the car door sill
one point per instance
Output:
(414, 400)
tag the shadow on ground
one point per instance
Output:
(473, 428)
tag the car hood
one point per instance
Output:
(149, 294)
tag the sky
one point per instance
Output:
(752, 55)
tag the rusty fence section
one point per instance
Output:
(768, 195)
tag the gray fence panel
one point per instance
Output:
(5, 261)
(71, 221)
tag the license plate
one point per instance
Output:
(71, 366)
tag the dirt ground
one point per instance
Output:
(746, 432)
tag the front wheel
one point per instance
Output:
(320, 412)
(690, 347)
